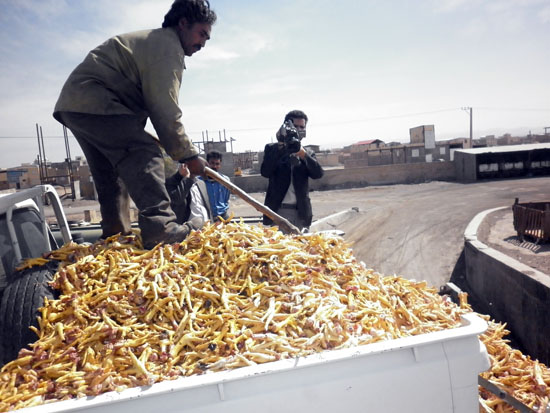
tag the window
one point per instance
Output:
(488, 167)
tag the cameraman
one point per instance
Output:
(288, 166)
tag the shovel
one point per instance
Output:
(281, 222)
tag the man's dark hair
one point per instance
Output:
(213, 155)
(194, 11)
(295, 114)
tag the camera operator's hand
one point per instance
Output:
(281, 133)
(301, 153)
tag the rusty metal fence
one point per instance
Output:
(532, 219)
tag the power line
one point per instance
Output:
(30, 137)
(516, 109)
(343, 122)
(406, 115)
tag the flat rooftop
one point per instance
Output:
(507, 148)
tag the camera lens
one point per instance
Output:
(293, 146)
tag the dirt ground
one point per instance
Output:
(416, 231)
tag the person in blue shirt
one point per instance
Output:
(210, 199)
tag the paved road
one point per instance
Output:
(415, 231)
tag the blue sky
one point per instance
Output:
(361, 70)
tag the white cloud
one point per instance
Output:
(236, 43)
(448, 6)
(212, 53)
(274, 86)
(266, 58)
(124, 16)
(491, 6)
(251, 41)
(77, 45)
(503, 5)
(544, 15)
(481, 17)
(43, 9)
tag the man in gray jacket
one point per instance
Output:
(106, 102)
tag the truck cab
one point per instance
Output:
(24, 234)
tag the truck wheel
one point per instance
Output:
(19, 309)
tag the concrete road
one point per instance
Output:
(416, 231)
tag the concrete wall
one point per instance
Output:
(360, 177)
(466, 166)
(380, 157)
(328, 159)
(510, 292)
(503, 162)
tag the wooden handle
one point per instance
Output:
(281, 222)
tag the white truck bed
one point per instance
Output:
(435, 372)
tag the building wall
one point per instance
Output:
(4, 184)
(496, 281)
(465, 166)
(359, 177)
(24, 181)
(314, 148)
(328, 159)
(87, 188)
(443, 152)
(228, 167)
(244, 160)
(415, 153)
(412, 153)
(14, 178)
(220, 146)
(379, 157)
(424, 134)
(471, 167)
(376, 143)
(30, 175)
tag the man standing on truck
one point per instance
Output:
(288, 166)
(106, 102)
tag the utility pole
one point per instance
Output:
(470, 111)
(42, 163)
(44, 159)
(69, 162)
(546, 130)
(39, 156)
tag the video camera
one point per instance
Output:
(289, 136)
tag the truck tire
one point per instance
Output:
(19, 309)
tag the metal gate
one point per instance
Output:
(532, 219)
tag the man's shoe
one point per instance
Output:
(176, 235)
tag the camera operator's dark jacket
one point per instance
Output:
(276, 166)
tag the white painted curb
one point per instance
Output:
(470, 236)
(332, 221)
